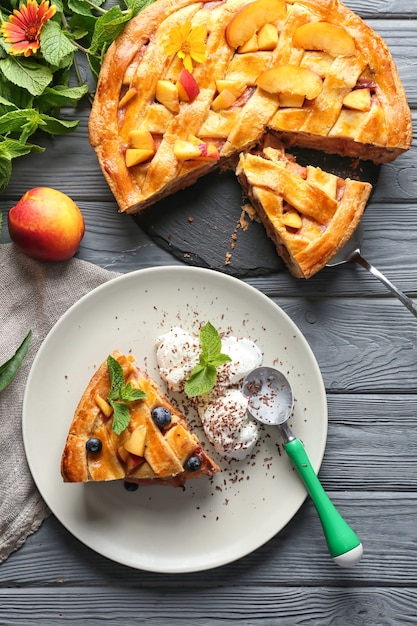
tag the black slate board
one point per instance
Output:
(202, 225)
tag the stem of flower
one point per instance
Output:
(100, 9)
(80, 47)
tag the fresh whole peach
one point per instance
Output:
(46, 225)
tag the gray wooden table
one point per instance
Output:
(365, 342)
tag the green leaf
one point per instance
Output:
(82, 7)
(120, 394)
(117, 379)
(41, 82)
(204, 375)
(7, 103)
(131, 394)
(12, 148)
(5, 173)
(10, 368)
(53, 126)
(95, 64)
(121, 416)
(60, 95)
(210, 341)
(15, 120)
(107, 28)
(55, 44)
(26, 73)
(220, 359)
(82, 26)
(137, 5)
(21, 98)
(201, 380)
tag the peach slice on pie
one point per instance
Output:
(359, 99)
(331, 38)
(267, 37)
(141, 139)
(134, 156)
(248, 20)
(188, 150)
(290, 79)
(224, 100)
(187, 86)
(167, 94)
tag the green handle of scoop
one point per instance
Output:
(344, 545)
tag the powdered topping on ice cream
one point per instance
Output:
(223, 411)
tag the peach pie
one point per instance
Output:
(188, 86)
(125, 428)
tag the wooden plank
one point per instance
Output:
(296, 556)
(372, 442)
(284, 605)
(383, 8)
(359, 351)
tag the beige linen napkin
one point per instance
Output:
(32, 296)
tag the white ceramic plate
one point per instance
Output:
(164, 529)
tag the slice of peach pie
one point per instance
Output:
(308, 213)
(188, 86)
(125, 428)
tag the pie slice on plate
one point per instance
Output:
(189, 85)
(156, 446)
(308, 213)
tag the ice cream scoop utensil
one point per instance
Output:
(271, 402)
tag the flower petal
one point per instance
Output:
(184, 30)
(188, 63)
(198, 35)
(198, 58)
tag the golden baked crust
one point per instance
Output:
(166, 449)
(309, 214)
(376, 127)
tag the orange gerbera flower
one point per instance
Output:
(23, 29)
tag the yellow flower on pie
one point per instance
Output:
(23, 29)
(188, 43)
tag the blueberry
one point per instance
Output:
(161, 416)
(193, 464)
(130, 486)
(94, 445)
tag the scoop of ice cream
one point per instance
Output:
(177, 354)
(223, 411)
(245, 356)
(227, 424)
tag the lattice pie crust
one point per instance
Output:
(309, 71)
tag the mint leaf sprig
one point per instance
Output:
(120, 394)
(204, 375)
